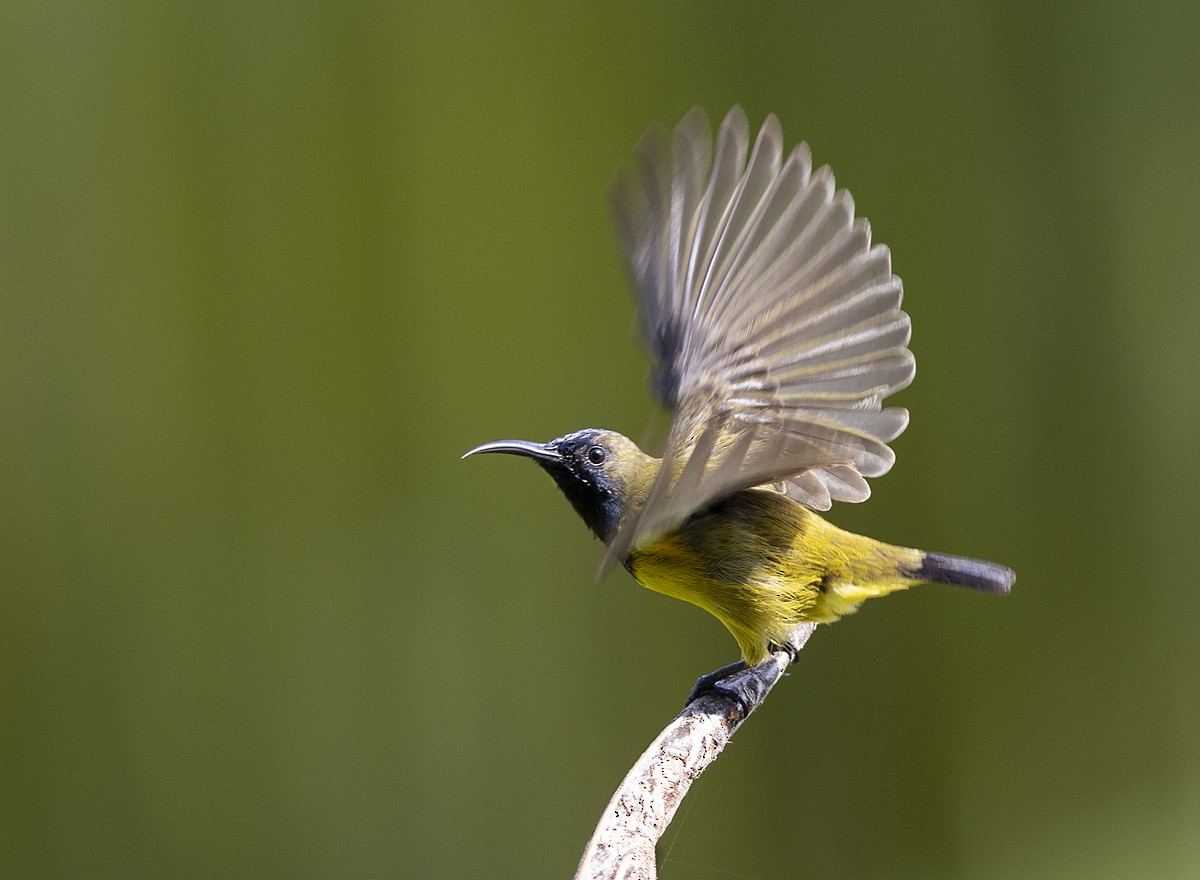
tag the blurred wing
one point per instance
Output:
(774, 324)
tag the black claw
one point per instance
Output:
(790, 650)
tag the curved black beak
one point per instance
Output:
(538, 451)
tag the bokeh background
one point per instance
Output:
(267, 270)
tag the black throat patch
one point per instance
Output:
(594, 498)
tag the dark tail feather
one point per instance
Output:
(975, 574)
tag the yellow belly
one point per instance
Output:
(757, 611)
(763, 580)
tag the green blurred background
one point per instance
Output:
(267, 270)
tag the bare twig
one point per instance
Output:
(622, 846)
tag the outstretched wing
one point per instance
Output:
(774, 324)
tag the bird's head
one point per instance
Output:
(603, 474)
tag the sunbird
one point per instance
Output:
(775, 330)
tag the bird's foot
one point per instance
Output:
(710, 684)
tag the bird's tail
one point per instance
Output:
(974, 574)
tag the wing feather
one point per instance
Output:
(774, 324)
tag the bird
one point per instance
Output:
(775, 332)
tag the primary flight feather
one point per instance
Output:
(774, 324)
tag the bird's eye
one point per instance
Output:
(597, 454)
